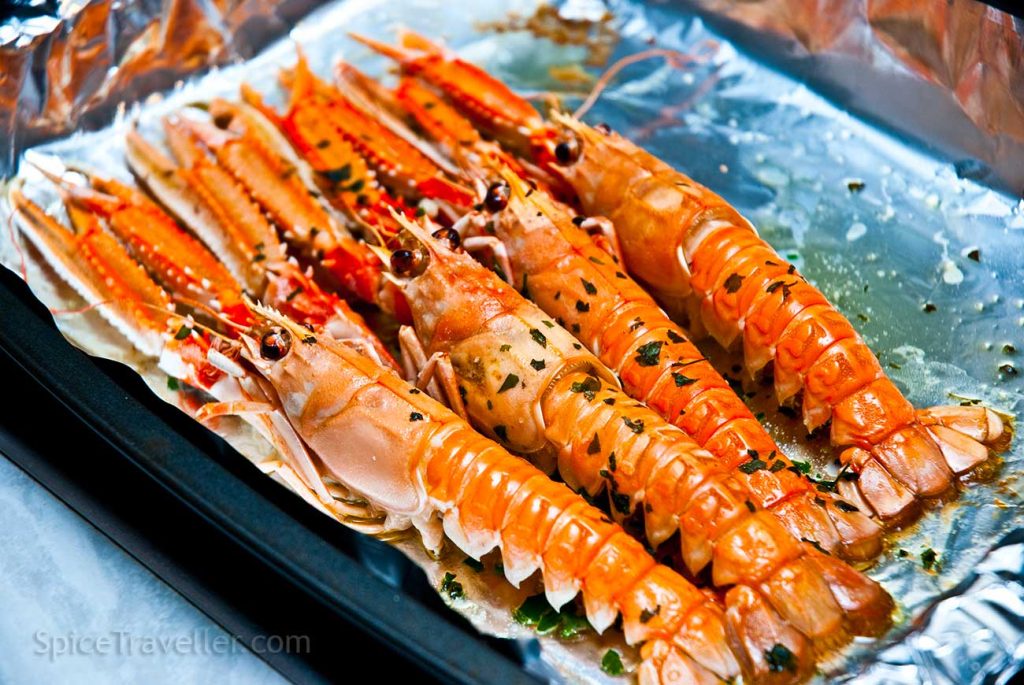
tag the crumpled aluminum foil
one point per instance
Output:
(925, 258)
(948, 72)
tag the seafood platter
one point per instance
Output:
(647, 354)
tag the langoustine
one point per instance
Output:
(380, 441)
(709, 266)
(579, 419)
(582, 286)
(91, 258)
(239, 158)
(414, 458)
(524, 380)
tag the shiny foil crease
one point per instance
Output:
(948, 71)
(70, 71)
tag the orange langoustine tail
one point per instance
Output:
(722, 276)
(524, 380)
(584, 289)
(410, 456)
(704, 262)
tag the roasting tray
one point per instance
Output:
(861, 209)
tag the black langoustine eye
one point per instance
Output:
(275, 344)
(497, 196)
(450, 237)
(568, 151)
(223, 119)
(407, 263)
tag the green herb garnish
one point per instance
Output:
(451, 587)
(649, 354)
(682, 380)
(611, 663)
(929, 559)
(635, 426)
(511, 381)
(733, 283)
(753, 465)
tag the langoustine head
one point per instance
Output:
(505, 351)
(345, 407)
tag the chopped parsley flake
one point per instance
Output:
(929, 559)
(611, 663)
(538, 337)
(588, 387)
(682, 380)
(801, 467)
(451, 587)
(415, 416)
(536, 613)
(510, 382)
(733, 283)
(649, 354)
(538, 364)
(753, 465)
(589, 287)
(582, 306)
(646, 615)
(595, 445)
(339, 175)
(635, 426)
